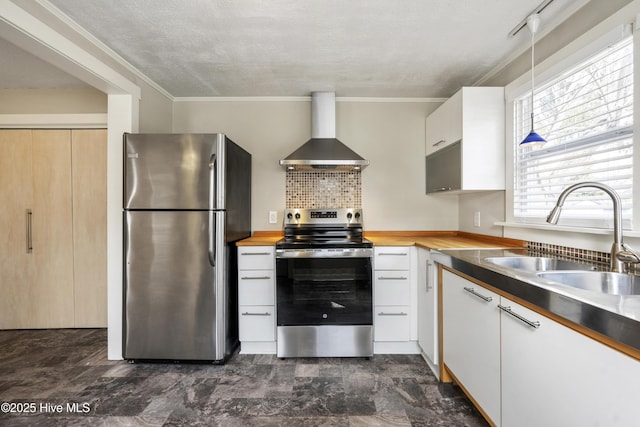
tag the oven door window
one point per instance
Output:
(317, 291)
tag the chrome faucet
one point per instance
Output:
(620, 253)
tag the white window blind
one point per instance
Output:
(586, 116)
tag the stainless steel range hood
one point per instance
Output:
(323, 150)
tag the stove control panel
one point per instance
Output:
(349, 216)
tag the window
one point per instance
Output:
(586, 116)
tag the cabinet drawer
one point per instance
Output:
(392, 287)
(391, 323)
(256, 287)
(257, 323)
(256, 258)
(392, 258)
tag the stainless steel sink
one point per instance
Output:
(532, 263)
(604, 282)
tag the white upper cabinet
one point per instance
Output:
(465, 142)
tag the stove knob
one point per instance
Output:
(349, 215)
(289, 215)
(357, 215)
(297, 215)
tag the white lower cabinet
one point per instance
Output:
(256, 299)
(395, 303)
(471, 347)
(555, 376)
(428, 310)
(524, 369)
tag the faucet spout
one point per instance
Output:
(617, 247)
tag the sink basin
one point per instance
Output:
(532, 263)
(596, 281)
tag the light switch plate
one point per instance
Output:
(273, 217)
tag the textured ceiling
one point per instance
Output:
(359, 48)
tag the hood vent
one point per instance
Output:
(323, 150)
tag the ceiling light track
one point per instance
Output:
(522, 23)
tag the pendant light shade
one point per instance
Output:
(533, 22)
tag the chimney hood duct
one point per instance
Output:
(323, 150)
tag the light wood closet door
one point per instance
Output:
(89, 170)
(16, 266)
(51, 293)
(60, 177)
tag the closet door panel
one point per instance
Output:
(89, 171)
(16, 196)
(51, 293)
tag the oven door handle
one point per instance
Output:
(402, 313)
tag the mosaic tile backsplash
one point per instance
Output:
(588, 256)
(323, 189)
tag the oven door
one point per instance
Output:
(324, 291)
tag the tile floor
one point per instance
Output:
(62, 377)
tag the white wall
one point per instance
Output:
(389, 134)
(490, 204)
(155, 110)
(52, 101)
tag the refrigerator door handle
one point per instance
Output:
(212, 240)
(212, 181)
(212, 214)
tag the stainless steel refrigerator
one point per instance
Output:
(187, 199)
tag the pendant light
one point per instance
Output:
(533, 139)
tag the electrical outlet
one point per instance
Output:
(273, 217)
(476, 219)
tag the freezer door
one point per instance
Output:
(175, 298)
(172, 171)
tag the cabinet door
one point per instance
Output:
(51, 292)
(552, 375)
(89, 172)
(443, 126)
(16, 196)
(471, 340)
(434, 130)
(444, 169)
(427, 307)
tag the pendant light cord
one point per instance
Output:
(532, 72)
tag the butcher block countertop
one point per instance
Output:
(261, 238)
(425, 239)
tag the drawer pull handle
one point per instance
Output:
(392, 278)
(246, 313)
(392, 254)
(255, 278)
(507, 309)
(402, 313)
(438, 143)
(255, 253)
(473, 292)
